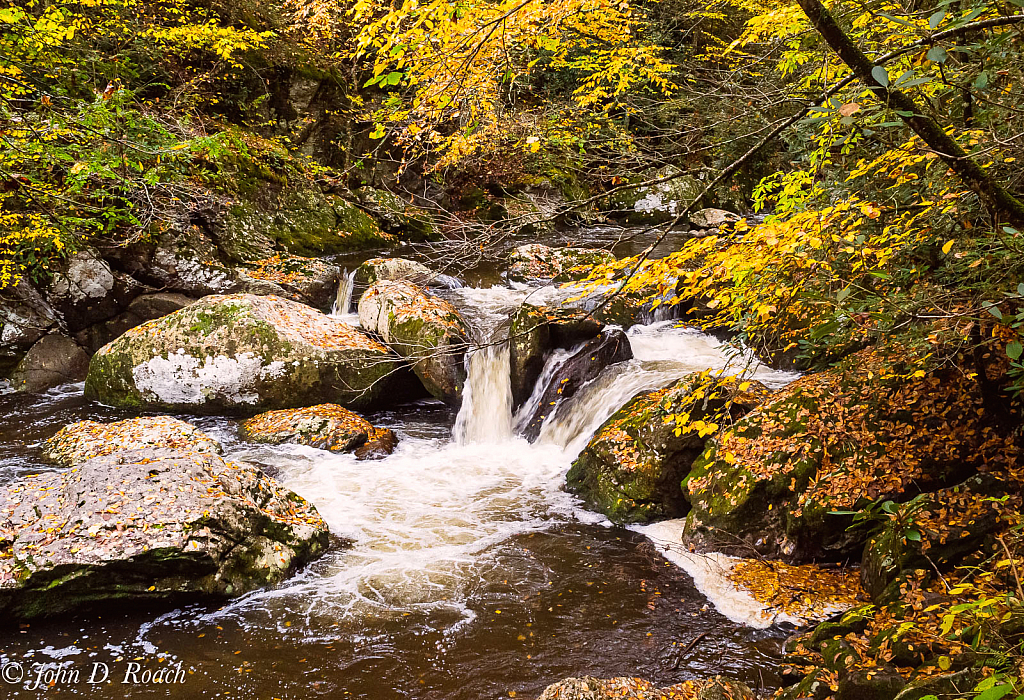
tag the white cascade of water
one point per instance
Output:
(343, 300)
(486, 412)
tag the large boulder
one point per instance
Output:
(838, 441)
(241, 353)
(534, 331)
(425, 330)
(402, 270)
(55, 359)
(657, 203)
(148, 526)
(540, 262)
(633, 468)
(590, 688)
(397, 215)
(578, 368)
(327, 427)
(79, 442)
(306, 280)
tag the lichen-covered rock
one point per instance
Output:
(79, 442)
(241, 353)
(423, 329)
(397, 215)
(583, 365)
(534, 331)
(633, 468)
(535, 261)
(55, 359)
(327, 427)
(147, 526)
(590, 688)
(936, 529)
(657, 203)
(837, 441)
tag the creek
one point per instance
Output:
(459, 569)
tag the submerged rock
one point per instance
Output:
(55, 359)
(583, 365)
(423, 329)
(327, 427)
(241, 353)
(838, 441)
(148, 526)
(535, 261)
(590, 688)
(80, 442)
(633, 468)
(534, 331)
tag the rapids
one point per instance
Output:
(460, 569)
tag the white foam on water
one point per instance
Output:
(425, 522)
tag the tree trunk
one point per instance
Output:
(1001, 201)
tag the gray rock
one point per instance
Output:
(583, 365)
(535, 261)
(54, 360)
(242, 353)
(143, 308)
(425, 330)
(713, 218)
(25, 317)
(79, 442)
(76, 540)
(658, 203)
(590, 688)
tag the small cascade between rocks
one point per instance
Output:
(486, 412)
(343, 300)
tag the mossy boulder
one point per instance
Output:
(79, 442)
(242, 353)
(327, 427)
(402, 270)
(425, 330)
(75, 540)
(838, 441)
(534, 331)
(540, 262)
(935, 530)
(301, 221)
(657, 203)
(307, 280)
(398, 216)
(633, 467)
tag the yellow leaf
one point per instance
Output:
(946, 248)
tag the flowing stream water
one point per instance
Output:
(460, 568)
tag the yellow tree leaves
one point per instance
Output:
(459, 65)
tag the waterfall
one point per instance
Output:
(343, 299)
(486, 413)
